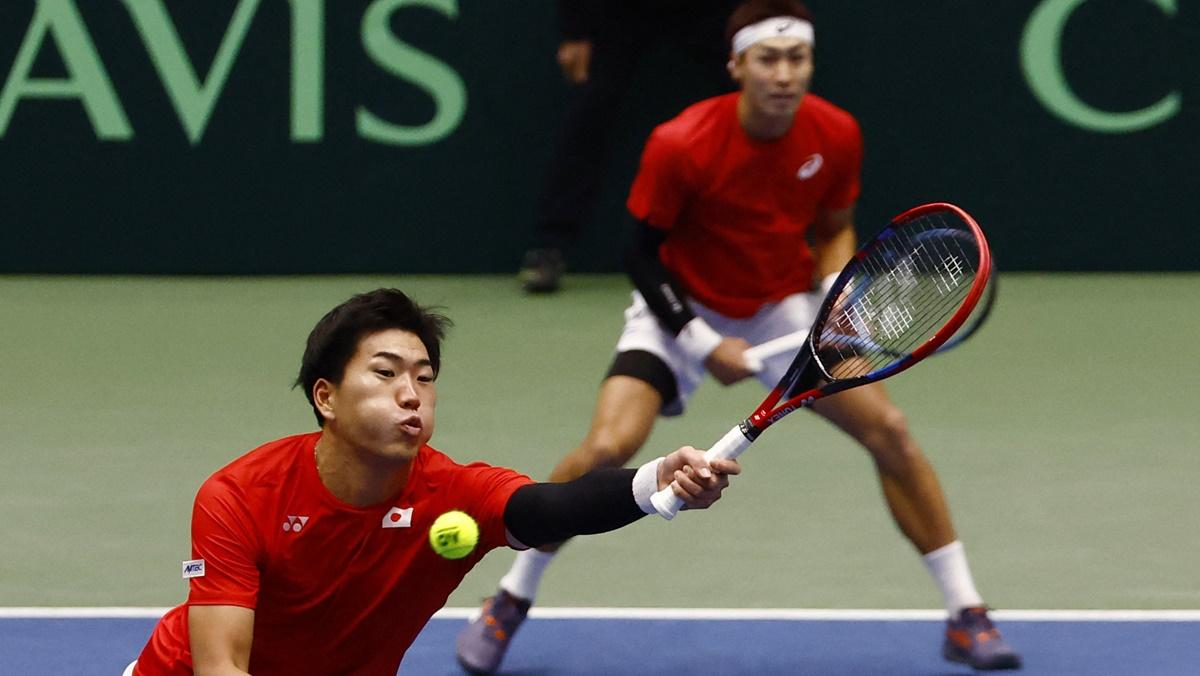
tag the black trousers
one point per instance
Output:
(622, 37)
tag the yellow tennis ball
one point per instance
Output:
(454, 534)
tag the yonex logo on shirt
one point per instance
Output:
(810, 167)
(295, 523)
(398, 518)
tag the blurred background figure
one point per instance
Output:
(603, 41)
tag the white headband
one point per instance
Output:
(775, 27)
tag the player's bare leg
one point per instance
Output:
(918, 505)
(625, 412)
(909, 483)
(626, 409)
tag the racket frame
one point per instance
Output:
(790, 342)
(801, 371)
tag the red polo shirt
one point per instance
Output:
(335, 588)
(736, 208)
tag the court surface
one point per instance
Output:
(1064, 435)
(668, 642)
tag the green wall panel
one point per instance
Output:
(410, 136)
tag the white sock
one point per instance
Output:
(525, 575)
(948, 567)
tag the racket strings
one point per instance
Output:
(901, 293)
(908, 285)
(900, 314)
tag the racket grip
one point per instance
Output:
(790, 342)
(728, 447)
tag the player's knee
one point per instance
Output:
(888, 435)
(609, 450)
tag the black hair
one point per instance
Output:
(334, 340)
(753, 11)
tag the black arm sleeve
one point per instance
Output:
(597, 502)
(662, 293)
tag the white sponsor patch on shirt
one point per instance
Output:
(193, 568)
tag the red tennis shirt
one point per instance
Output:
(335, 588)
(737, 208)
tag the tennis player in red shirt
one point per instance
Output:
(310, 554)
(745, 211)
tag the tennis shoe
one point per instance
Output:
(482, 643)
(972, 639)
(542, 270)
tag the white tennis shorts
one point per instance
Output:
(644, 332)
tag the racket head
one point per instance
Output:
(978, 316)
(792, 342)
(902, 296)
(905, 293)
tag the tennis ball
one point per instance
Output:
(453, 535)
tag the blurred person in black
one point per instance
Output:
(603, 42)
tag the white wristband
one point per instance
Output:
(827, 282)
(645, 484)
(698, 339)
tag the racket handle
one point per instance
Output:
(728, 447)
(786, 343)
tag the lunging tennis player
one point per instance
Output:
(311, 554)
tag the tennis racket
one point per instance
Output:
(902, 296)
(791, 342)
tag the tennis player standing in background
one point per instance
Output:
(745, 210)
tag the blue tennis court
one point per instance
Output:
(584, 641)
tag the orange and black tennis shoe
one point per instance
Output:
(482, 643)
(972, 639)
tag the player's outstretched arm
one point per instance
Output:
(607, 499)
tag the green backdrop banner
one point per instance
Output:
(411, 136)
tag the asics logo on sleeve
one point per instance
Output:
(812, 164)
(669, 294)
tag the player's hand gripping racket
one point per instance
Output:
(903, 295)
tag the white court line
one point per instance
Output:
(794, 614)
(115, 612)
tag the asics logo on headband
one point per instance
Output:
(775, 27)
